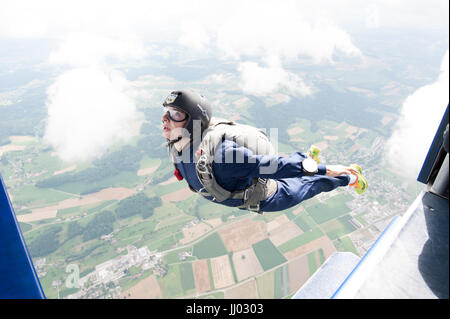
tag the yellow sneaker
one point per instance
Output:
(360, 184)
(313, 152)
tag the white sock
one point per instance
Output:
(353, 178)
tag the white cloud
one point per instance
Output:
(398, 14)
(276, 32)
(84, 49)
(5, 102)
(162, 19)
(420, 117)
(22, 19)
(248, 33)
(281, 29)
(372, 14)
(194, 35)
(263, 81)
(414, 14)
(91, 106)
(220, 78)
(236, 29)
(88, 111)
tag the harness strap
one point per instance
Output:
(254, 194)
(259, 190)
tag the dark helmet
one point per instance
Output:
(195, 105)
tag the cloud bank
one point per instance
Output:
(258, 38)
(90, 106)
(276, 33)
(261, 81)
(88, 111)
(419, 119)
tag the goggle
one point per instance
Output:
(175, 115)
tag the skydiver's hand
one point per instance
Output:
(337, 170)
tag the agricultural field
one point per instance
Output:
(246, 264)
(246, 290)
(301, 240)
(210, 247)
(203, 250)
(208, 251)
(171, 284)
(187, 277)
(338, 227)
(202, 275)
(135, 231)
(345, 244)
(330, 209)
(221, 272)
(146, 289)
(266, 284)
(268, 255)
(275, 250)
(243, 234)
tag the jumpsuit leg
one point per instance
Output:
(292, 191)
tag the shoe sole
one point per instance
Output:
(365, 185)
(314, 153)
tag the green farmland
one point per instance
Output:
(332, 208)
(210, 247)
(187, 277)
(268, 255)
(338, 227)
(301, 240)
(171, 284)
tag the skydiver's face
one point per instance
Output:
(173, 121)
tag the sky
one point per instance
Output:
(91, 104)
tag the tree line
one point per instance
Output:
(101, 224)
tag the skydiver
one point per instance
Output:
(256, 182)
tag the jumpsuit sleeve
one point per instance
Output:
(242, 162)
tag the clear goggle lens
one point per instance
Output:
(175, 115)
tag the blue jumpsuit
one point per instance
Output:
(293, 186)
